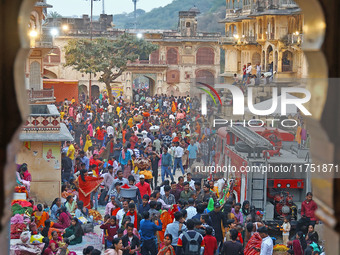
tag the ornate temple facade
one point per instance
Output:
(268, 32)
(183, 55)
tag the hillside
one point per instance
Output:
(167, 17)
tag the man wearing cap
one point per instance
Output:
(191, 210)
(144, 187)
(119, 179)
(218, 219)
(267, 242)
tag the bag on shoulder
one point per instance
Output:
(192, 247)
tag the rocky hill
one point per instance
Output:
(167, 17)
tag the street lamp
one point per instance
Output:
(139, 35)
(54, 32)
(65, 27)
(33, 35)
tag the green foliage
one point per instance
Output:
(53, 15)
(106, 56)
(167, 17)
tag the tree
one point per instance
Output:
(54, 15)
(108, 57)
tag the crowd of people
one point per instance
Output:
(139, 160)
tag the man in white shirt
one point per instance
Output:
(122, 212)
(78, 117)
(178, 158)
(248, 73)
(267, 242)
(110, 131)
(108, 178)
(190, 181)
(110, 108)
(191, 210)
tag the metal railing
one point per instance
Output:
(249, 39)
(229, 39)
(148, 62)
(294, 38)
(40, 94)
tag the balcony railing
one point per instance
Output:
(294, 38)
(249, 39)
(148, 62)
(45, 39)
(40, 94)
(227, 40)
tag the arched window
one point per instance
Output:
(287, 61)
(256, 58)
(205, 76)
(172, 56)
(35, 75)
(205, 56)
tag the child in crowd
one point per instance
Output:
(285, 230)
(111, 227)
(209, 239)
(120, 233)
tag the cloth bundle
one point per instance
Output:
(18, 209)
(96, 215)
(17, 219)
(17, 229)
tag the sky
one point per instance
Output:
(80, 7)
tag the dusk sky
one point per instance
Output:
(80, 7)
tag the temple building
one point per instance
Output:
(183, 55)
(265, 32)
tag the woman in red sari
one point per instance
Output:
(254, 245)
(87, 184)
(167, 249)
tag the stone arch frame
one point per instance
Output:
(210, 79)
(285, 66)
(152, 82)
(48, 74)
(317, 57)
(255, 58)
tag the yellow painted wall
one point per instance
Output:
(46, 180)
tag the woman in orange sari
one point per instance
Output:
(173, 107)
(87, 184)
(40, 217)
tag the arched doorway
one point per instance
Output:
(95, 91)
(143, 85)
(205, 76)
(269, 60)
(276, 59)
(82, 92)
(49, 74)
(287, 61)
(263, 60)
